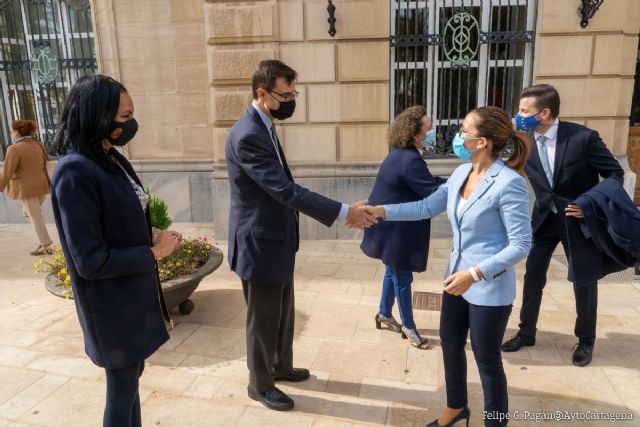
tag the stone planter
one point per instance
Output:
(176, 291)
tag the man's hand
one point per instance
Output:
(359, 217)
(573, 210)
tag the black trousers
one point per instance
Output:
(123, 400)
(545, 240)
(270, 322)
(487, 326)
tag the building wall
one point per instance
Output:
(188, 63)
(592, 67)
(336, 138)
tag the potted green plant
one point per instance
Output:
(180, 273)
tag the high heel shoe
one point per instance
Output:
(389, 322)
(465, 414)
(42, 250)
(415, 339)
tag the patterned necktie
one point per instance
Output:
(274, 140)
(544, 158)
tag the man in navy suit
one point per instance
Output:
(566, 161)
(264, 230)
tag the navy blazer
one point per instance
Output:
(612, 222)
(264, 205)
(581, 159)
(403, 177)
(106, 240)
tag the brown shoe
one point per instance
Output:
(42, 250)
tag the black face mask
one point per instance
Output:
(285, 111)
(120, 133)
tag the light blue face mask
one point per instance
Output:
(429, 139)
(460, 150)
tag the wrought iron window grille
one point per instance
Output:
(45, 46)
(455, 55)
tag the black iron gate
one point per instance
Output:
(454, 55)
(46, 45)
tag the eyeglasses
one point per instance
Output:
(288, 96)
(466, 132)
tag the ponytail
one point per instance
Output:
(521, 143)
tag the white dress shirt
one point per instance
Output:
(551, 141)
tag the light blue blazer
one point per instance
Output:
(492, 233)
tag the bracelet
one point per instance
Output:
(474, 274)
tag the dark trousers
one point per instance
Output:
(270, 322)
(545, 240)
(487, 326)
(397, 285)
(123, 400)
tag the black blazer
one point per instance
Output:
(581, 159)
(264, 205)
(106, 240)
(403, 177)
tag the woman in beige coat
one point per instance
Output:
(25, 175)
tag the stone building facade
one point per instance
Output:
(188, 63)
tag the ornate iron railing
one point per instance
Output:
(45, 46)
(454, 55)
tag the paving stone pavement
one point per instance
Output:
(360, 376)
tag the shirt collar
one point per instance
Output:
(266, 120)
(551, 133)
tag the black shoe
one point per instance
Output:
(294, 375)
(272, 399)
(517, 342)
(465, 414)
(583, 354)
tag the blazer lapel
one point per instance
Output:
(483, 186)
(453, 195)
(256, 117)
(561, 147)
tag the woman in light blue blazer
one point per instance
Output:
(487, 204)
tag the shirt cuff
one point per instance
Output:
(344, 210)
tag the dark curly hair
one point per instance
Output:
(24, 127)
(406, 126)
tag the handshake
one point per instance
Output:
(361, 215)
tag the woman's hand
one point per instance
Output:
(377, 211)
(155, 231)
(165, 244)
(458, 283)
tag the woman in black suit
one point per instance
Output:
(103, 222)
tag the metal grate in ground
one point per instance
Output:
(430, 301)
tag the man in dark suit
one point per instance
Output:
(566, 160)
(264, 230)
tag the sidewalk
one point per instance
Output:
(360, 376)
